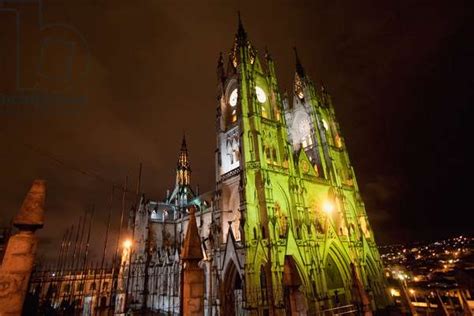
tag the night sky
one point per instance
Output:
(121, 80)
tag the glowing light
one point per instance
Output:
(394, 292)
(127, 243)
(328, 207)
(412, 291)
(261, 96)
(325, 124)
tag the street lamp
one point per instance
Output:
(127, 244)
(413, 292)
(328, 207)
(122, 297)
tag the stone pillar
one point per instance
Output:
(21, 250)
(360, 293)
(192, 297)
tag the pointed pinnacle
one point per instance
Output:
(220, 61)
(31, 214)
(191, 249)
(299, 67)
(241, 31)
(268, 56)
(183, 143)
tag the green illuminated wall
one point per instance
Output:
(289, 194)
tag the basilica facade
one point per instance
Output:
(285, 231)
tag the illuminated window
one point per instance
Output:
(316, 169)
(338, 141)
(264, 111)
(277, 115)
(268, 155)
(325, 124)
(307, 141)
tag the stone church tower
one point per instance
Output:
(287, 197)
(285, 231)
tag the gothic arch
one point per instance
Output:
(284, 197)
(372, 276)
(232, 290)
(295, 288)
(282, 211)
(336, 276)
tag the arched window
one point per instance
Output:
(335, 280)
(268, 155)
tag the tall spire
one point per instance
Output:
(183, 169)
(241, 34)
(241, 42)
(183, 144)
(299, 68)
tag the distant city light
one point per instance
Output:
(394, 292)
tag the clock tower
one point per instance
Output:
(291, 222)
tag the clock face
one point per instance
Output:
(233, 98)
(261, 96)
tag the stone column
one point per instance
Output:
(192, 298)
(21, 250)
(360, 292)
